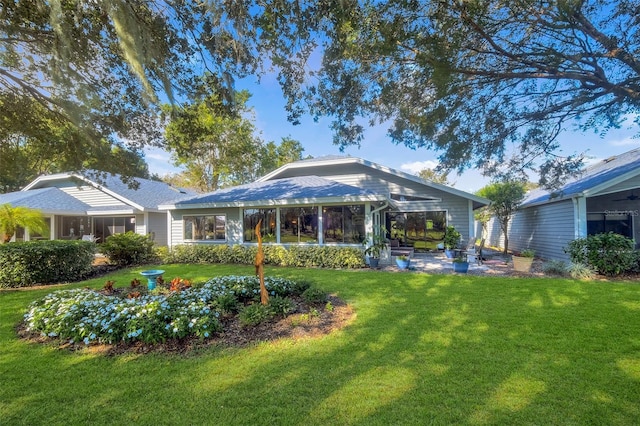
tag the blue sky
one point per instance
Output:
(316, 138)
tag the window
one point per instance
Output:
(343, 224)
(299, 225)
(421, 230)
(610, 221)
(35, 236)
(268, 228)
(205, 228)
(104, 227)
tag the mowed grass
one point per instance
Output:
(423, 349)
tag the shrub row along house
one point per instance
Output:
(332, 200)
(604, 198)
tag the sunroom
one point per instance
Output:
(301, 210)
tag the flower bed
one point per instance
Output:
(109, 316)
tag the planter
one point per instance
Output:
(522, 264)
(373, 262)
(449, 253)
(461, 267)
(151, 276)
(402, 263)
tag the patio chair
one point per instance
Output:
(474, 254)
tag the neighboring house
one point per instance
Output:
(331, 200)
(76, 206)
(604, 198)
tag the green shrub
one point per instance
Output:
(280, 305)
(128, 249)
(44, 262)
(227, 303)
(314, 296)
(254, 314)
(555, 267)
(295, 256)
(580, 271)
(608, 254)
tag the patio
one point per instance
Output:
(495, 264)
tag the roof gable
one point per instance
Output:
(594, 179)
(333, 160)
(147, 196)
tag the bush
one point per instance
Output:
(608, 254)
(254, 314)
(45, 262)
(314, 296)
(128, 249)
(555, 267)
(580, 271)
(280, 305)
(295, 256)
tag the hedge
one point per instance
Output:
(25, 264)
(296, 256)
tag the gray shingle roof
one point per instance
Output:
(49, 200)
(305, 187)
(149, 194)
(592, 177)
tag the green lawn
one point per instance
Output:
(422, 350)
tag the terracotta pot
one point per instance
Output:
(522, 264)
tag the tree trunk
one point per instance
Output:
(505, 227)
(7, 238)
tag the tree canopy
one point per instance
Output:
(505, 198)
(488, 83)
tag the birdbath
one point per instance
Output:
(152, 275)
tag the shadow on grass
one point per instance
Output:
(423, 349)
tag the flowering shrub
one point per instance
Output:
(89, 316)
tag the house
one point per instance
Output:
(333, 200)
(604, 198)
(77, 206)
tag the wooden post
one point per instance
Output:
(259, 264)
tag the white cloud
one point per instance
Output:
(628, 141)
(415, 166)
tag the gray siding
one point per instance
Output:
(158, 225)
(88, 194)
(547, 229)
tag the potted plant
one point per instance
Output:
(460, 264)
(402, 261)
(373, 251)
(523, 261)
(451, 241)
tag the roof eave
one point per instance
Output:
(276, 202)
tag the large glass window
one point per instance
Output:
(343, 224)
(299, 225)
(268, 227)
(616, 222)
(208, 228)
(74, 227)
(421, 230)
(104, 227)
